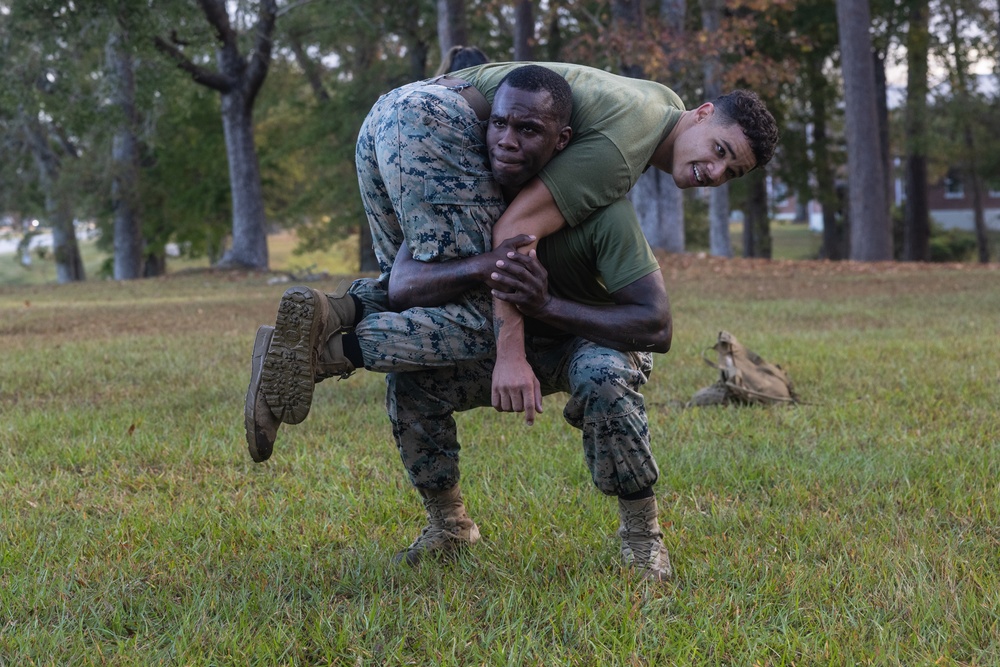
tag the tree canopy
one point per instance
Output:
(304, 74)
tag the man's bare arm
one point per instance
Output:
(515, 387)
(413, 283)
(639, 320)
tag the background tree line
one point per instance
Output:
(207, 123)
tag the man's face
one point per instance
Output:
(709, 153)
(523, 135)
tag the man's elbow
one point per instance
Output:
(653, 337)
(399, 296)
(663, 336)
(660, 345)
(397, 304)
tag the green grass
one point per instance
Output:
(860, 528)
(339, 258)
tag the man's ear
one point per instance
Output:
(704, 112)
(565, 135)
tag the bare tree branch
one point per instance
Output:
(205, 77)
(215, 12)
(261, 58)
(295, 5)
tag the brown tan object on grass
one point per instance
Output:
(744, 378)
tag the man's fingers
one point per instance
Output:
(533, 404)
(522, 240)
(529, 411)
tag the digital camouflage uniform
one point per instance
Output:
(605, 403)
(424, 177)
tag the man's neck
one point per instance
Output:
(663, 156)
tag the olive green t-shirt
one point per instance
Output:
(617, 124)
(588, 263)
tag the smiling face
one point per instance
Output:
(709, 153)
(522, 136)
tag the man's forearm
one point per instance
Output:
(508, 326)
(620, 327)
(413, 283)
(533, 211)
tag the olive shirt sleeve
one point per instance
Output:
(587, 177)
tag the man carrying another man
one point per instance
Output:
(602, 280)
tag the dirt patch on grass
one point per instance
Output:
(791, 279)
(211, 302)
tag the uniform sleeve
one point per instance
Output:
(590, 174)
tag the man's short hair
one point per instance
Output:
(747, 109)
(535, 78)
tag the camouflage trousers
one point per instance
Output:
(425, 179)
(604, 403)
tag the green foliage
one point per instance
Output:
(951, 245)
(946, 245)
(53, 69)
(860, 528)
(184, 178)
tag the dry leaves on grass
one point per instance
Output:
(767, 278)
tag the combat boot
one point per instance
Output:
(449, 528)
(260, 423)
(303, 350)
(642, 539)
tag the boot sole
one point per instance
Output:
(288, 376)
(259, 445)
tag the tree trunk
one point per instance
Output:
(554, 43)
(309, 68)
(626, 21)
(756, 224)
(868, 211)
(657, 200)
(367, 261)
(882, 112)
(671, 198)
(249, 246)
(128, 242)
(238, 80)
(720, 244)
(65, 248)
(972, 174)
(659, 205)
(451, 24)
(672, 14)
(524, 30)
(961, 88)
(834, 245)
(916, 214)
(417, 48)
(418, 51)
(154, 265)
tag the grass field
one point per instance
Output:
(862, 527)
(341, 257)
